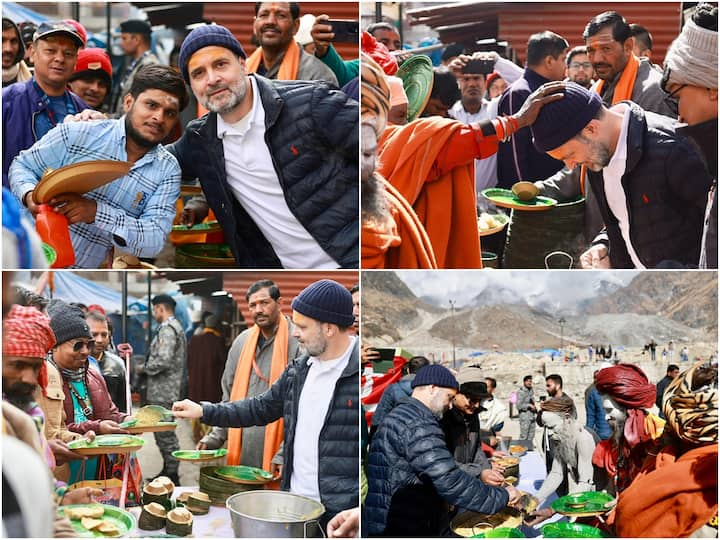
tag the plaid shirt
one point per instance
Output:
(134, 212)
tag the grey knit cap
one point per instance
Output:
(68, 323)
(693, 57)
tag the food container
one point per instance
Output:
(274, 514)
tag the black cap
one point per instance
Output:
(135, 26)
(58, 28)
(27, 31)
(476, 390)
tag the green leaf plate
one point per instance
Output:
(200, 455)
(242, 474)
(506, 199)
(501, 532)
(563, 529)
(586, 503)
(417, 76)
(107, 444)
(123, 519)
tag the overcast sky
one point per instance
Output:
(463, 285)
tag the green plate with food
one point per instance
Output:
(507, 199)
(200, 455)
(589, 503)
(208, 227)
(417, 76)
(242, 474)
(107, 444)
(564, 529)
(98, 520)
(491, 223)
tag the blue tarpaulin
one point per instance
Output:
(70, 287)
(18, 13)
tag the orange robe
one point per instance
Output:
(430, 162)
(671, 496)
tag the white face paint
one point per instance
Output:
(553, 422)
(613, 411)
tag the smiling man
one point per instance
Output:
(14, 68)
(135, 212)
(317, 396)
(651, 185)
(92, 78)
(34, 107)
(282, 178)
(279, 56)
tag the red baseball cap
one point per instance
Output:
(79, 28)
(93, 61)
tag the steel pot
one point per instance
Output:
(274, 514)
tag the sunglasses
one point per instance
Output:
(78, 345)
(671, 99)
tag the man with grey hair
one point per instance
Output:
(573, 447)
(691, 76)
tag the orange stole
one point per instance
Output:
(288, 67)
(241, 382)
(428, 164)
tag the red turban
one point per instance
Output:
(27, 333)
(627, 385)
(380, 53)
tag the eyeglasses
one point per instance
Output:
(578, 65)
(78, 345)
(671, 99)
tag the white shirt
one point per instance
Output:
(254, 182)
(494, 413)
(485, 169)
(614, 191)
(315, 398)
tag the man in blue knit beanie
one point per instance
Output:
(277, 160)
(651, 185)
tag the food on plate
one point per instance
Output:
(487, 222)
(80, 512)
(506, 461)
(517, 449)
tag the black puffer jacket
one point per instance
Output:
(411, 475)
(338, 451)
(312, 135)
(666, 186)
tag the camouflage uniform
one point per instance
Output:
(166, 369)
(527, 417)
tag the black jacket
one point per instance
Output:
(705, 136)
(411, 475)
(312, 135)
(464, 440)
(338, 449)
(666, 186)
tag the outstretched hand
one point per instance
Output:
(547, 93)
(187, 409)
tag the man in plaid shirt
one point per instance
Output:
(135, 212)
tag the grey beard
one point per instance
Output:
(566, 447)
(374, 207)
(618, 431)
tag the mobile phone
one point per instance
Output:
(477, 66)
(387, 354)
(345, 30)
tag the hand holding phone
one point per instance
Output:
(345, 30)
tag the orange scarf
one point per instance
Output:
(623, 92)
(672, 497)
(288, 68)
(246, 365)
(437, 179)
(401, 243)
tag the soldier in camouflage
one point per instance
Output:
(526, 409)
(166, 368)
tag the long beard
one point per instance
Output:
(566, 445)
(374, 206)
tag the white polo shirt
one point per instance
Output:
(254, 182)
(315, 398)
(614, 191)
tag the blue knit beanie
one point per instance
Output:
(559, 121)
(326, 301)
(435, 374)
(207, 36)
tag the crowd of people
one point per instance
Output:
(599, 122)
(435, 433)
(271, 128)
(64, 380)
